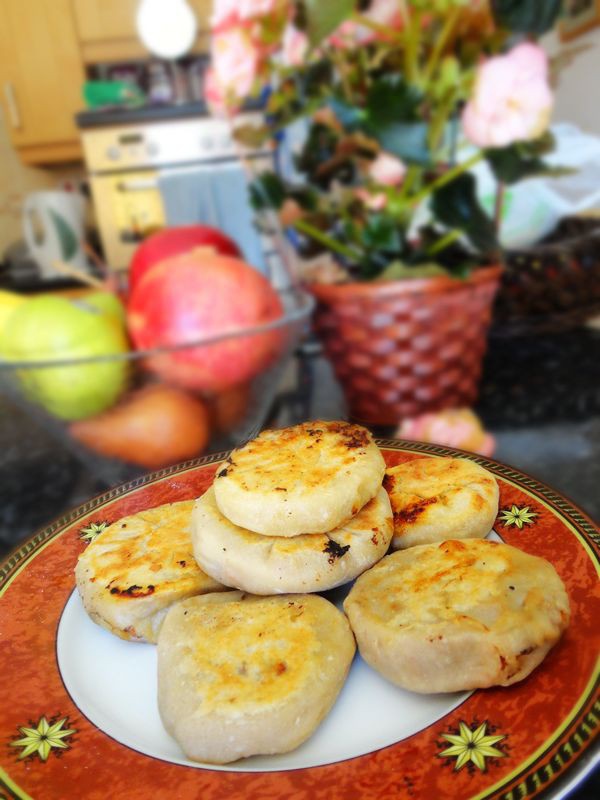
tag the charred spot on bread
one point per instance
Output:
(388, 482)
(335, 550)
(133, 591)
(411, 512)
(353, 435)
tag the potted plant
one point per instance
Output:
(399, 100)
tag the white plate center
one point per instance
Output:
(113, 683)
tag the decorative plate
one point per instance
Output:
(78, 714)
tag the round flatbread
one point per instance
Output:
(240, 675)
(434, 499)
(462, 614)
(306, 479)
(312, 562)
(131, 574)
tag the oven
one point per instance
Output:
(129, 166)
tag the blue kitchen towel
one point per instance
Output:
(217, 195)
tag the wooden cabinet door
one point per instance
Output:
(101, 20)
(203, 10)
(41, 71)
(107, 32)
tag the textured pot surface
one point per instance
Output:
(401, 348)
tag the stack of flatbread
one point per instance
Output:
(295, 510)
(249, 659)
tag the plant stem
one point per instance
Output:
(404, 13)
(444, 241)
(409, 180)
(329, 242)
(338, 58)
(498, 206)
(383, 31)
(448, 176)
(440, 43)
(411, 47)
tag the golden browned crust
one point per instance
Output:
(462, 614)
(240, 675)
(440, 498)
(309, 478)
(310, 562)
(134, 570)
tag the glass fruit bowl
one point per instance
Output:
(128, 413)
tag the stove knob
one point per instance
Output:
(206, 143)
(152, 149)
(113, 153)
(226, 141)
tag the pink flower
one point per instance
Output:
(249, 9)
(385, 12)
(511, 101)
(215, 96)
(382, 12)
(225, 13)
(230, 13)
(387, 170)
(294, 46)
(235, 61)
(374, 201)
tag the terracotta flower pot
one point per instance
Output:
(401, 348)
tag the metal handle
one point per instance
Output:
(11, 103)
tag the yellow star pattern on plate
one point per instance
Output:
(41, 740)
(89, 533)
(517, 516)
(471, 745)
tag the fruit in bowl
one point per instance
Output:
(153, 426)
(196, 296)
(53, 330)
(175, 241)
(130, 405)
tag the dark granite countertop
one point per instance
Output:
(540, 398)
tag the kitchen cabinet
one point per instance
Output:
(106, 29)
(41, 75)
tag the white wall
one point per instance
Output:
(578, 87)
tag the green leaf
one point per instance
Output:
(267, 192)
(509, 166)
(522, 160)
(66, 235)
(350, 117)
(456, 205)
(407, 141)
(392, 108)
(324, 16)
(527, 16)
(306, 197)
(252, 135)
(391, 99)
(381, 232)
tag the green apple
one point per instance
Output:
(106, 302)
(9, 301)
(49, 328)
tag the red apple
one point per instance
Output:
(173, 241)
(199, 295)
